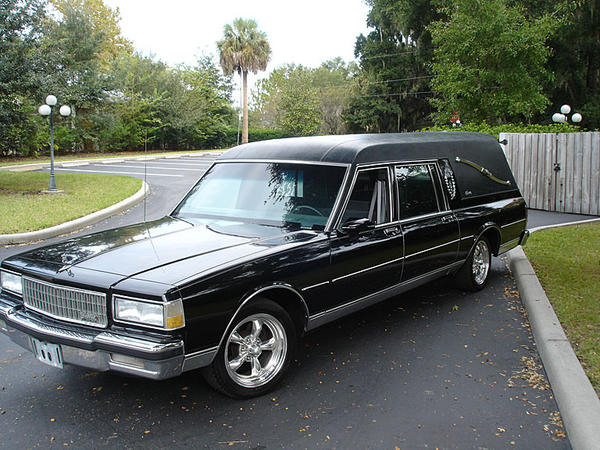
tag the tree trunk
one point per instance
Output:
(245, 109)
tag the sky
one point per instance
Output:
(306, 32)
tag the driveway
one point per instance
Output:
(433, 368)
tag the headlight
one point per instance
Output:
(11, 282)
(162, 315)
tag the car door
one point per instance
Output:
(370, 260)
(429, 227)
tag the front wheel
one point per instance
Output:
(255, 353)
(474, 274)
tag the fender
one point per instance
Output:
(483, 229)
(206, 357)
(250, 296)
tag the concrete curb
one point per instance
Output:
(567, 224)
(68, 227)
(577, 401)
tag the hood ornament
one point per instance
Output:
(66, 259)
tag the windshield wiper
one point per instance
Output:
(296, 225)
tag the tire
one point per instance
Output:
(474, 274)
(255, 353)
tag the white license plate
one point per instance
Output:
(46, 352)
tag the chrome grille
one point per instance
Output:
(71, 304)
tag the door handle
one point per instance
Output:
(391, 231)
(447, 219)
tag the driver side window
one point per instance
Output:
(370, 198)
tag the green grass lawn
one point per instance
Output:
(12, 161)
(24, 208)
(567, 263)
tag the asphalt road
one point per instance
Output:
(433, 368)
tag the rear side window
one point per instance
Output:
(416, 190)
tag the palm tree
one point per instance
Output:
(244, 48)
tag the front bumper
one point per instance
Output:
(99, 349)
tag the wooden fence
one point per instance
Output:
(556, 171)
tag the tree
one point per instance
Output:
(20, 32)
(297, 100)
(206, 105)
(392, 85)
(182, 107)
(79, 46)
(244, 48)
(102, 20)
(489, 62)
(333, 82)
(298, 109)
(288, 101)
(575, 61)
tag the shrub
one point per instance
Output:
(510, 128)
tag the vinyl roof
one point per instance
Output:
(366, 148)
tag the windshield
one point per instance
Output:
(279, 194)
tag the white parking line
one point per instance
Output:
(178, 163)
(74, 164)
(149, 167)
(118, 172)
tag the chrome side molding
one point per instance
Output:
(319, 319)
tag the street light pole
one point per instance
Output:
(52, 184)
(46, 110)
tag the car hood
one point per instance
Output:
(129, 251)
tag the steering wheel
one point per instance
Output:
(310, 208)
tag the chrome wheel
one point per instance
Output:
(255, 350)
(481, 262)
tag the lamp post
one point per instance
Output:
(46, 110)
(562, 117)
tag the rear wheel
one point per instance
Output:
(256, 352)
(474, 274)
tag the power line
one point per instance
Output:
(399, 79)
(398, 94)
(391, 54)
(368, 83)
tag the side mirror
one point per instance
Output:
(355, 226)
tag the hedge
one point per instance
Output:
(510, 128)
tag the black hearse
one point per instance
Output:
(277, 238)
